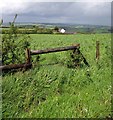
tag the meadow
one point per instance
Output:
(52, 90)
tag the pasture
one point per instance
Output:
(52, 90)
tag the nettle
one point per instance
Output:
(14, 45)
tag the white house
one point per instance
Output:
(62, 30)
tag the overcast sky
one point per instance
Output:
(95, 12)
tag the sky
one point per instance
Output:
(95, 12)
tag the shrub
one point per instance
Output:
(13, 46)
(73, 59)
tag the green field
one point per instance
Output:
(52, 90)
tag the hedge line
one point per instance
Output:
(29, 31)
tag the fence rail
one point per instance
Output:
(35, 52)
(29, 52)
(15, 66)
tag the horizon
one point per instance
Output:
(30, 23)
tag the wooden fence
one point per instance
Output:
(29, 53)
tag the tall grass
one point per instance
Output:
(51, 90)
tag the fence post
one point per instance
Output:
(28, 56)
(97, 51)
(78, 53)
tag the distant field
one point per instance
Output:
(70, 28)
(52, 90)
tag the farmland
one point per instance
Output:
(48, 28)
(52, 90)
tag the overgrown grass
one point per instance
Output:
(51, 90)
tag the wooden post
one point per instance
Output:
(78, 53)
(97, 51)
(28, 57)
(84, 59)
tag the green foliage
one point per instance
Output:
(13, 46)
(56, 28)
(56, 91)
(73, 59)
(34, 30)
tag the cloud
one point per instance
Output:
(69, 12)
(9, 6)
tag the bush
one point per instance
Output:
(73, 60)
(13, 46)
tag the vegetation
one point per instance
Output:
(52, 90)
(56, 29)
(13, 46)
(34, 30)
(46, 28)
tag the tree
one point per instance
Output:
(56, 28)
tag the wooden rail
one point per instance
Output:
(29, 52)
(15, 66)
(35, 52)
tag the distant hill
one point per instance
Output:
(70, 28)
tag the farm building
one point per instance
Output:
(62, 30)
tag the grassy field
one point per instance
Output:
(52, 90)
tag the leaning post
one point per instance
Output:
(78, 53)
